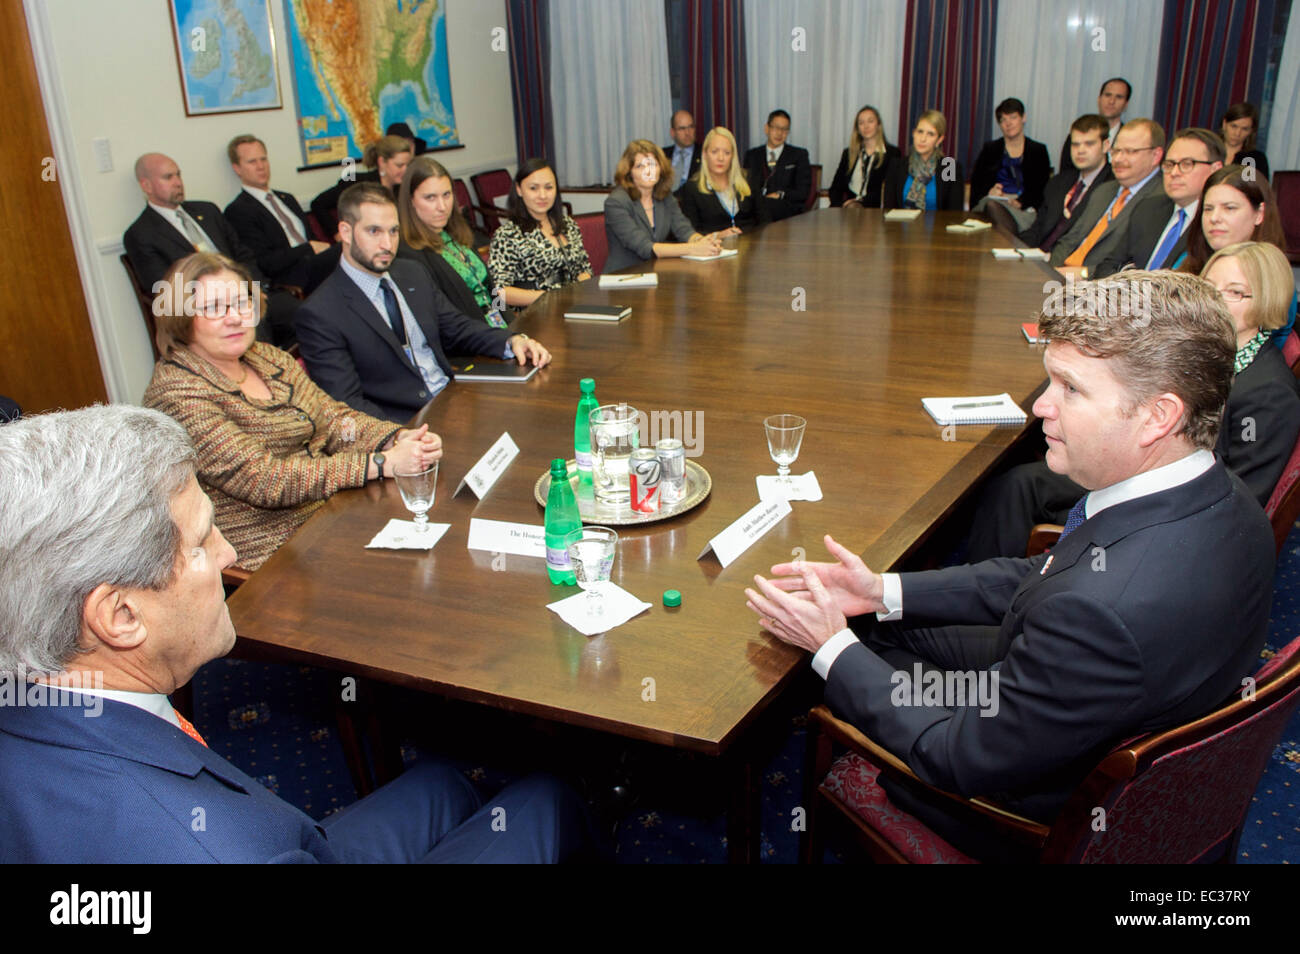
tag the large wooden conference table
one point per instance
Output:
(834, 315)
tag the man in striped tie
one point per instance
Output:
(271, 223)
(1145, 615)
(110, 600)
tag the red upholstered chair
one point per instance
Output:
(814, 192)
(317, 232)
(489, 187)
(1286, 188)
(1291, 352)
(460, 192)
(592, 226)
(1283, 507)
(1176, 796)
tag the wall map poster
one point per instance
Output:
(360, 65)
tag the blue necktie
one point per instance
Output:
(1170, 241)
(394, 313)
(1075, 519)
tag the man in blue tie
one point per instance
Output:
(377, 333)
(1147, 614)
(1156, 234)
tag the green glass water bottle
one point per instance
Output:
(561, 518)
(582, 428)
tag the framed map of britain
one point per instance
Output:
(360, 65)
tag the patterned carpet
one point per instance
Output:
(277, 723)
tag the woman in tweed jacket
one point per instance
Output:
(271, 445)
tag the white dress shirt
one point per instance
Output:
(177, 217)
(272, 201)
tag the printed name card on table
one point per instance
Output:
(490, 466)
(501, 536)
(740, 536)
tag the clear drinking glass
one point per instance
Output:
(613, 438)
(417, 488)
(784, 435)
(591, 553)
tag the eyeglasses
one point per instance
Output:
(1125, 153)
(1184, 165)
(776, 128)
(217, 310)
(1233, 295)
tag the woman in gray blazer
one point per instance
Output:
(641, 213)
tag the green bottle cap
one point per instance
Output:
(559, 468)
(587, 385)
(672, 598)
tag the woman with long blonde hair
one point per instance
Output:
(719, 198)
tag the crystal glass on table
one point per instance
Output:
(417, 488)
(784, 437)
(591, 554)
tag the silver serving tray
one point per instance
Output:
(698, 485)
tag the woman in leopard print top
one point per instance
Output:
(540, 247)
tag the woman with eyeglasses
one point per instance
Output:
(1262, 417)
(272, 446)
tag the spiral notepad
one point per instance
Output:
(980, 409)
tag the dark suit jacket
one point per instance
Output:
(949, 194)
(1087, 657)
(1139, 239)
(1035, 169)
(326, 205)
(628, 232)
(706, 213)
(697, 152)
(1094, 209)
(792, 177)
(447, 279)
(1260, 422)
(1068, 163)
(133, 781)
(1052, 210)
(352, 353)
(153, 244)
(839, 190)
(260, 230)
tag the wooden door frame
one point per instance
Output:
(89, 256)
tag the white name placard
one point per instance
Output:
(500, 536)
(740, 536)
(490, 466)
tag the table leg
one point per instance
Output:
(743, 808)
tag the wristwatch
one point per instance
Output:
(379, 463)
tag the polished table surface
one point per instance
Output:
(835, 315)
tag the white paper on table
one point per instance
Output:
(794, 487)
(738, 537)
(402, 535)
(1006, 254)
(619, 605)
(501, 536)
(725, 253)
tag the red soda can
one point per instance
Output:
(643, 479)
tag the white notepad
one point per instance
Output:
(980, 409)
(970, 225)
(725, 253)
(901, 215)
(641, 280)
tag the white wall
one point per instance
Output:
(108, 69)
